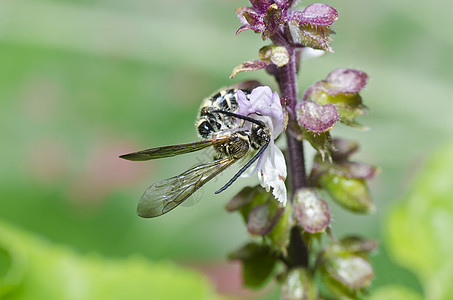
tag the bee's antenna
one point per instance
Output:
(242, 170)
(229, 113)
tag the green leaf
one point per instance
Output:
(36, 269)
(420, 228)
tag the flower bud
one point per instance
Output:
(311, 211)
(316, 118)
(351, 193)
(354, 272)
(341, 88)
(263, 218)
(298, 285)
(345, 266)
(277, 55)
(310, 27)
(260, 212)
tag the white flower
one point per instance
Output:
(271, 166)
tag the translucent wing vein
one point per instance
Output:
(163, 196)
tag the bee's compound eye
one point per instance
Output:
(205, 129)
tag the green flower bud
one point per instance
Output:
(351, 271)
(298, 285)
(277, 55)
(345, 267)
(351, 193)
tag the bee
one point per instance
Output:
(219, 127)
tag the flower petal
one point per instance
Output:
(263, 103)
(265, 106)
(307, 53)
(272, 173)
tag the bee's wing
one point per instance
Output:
(168, 151)
(163, 196)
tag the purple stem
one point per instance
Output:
(286, 77)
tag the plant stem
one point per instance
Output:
(286, 77)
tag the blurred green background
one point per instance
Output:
(82, 82)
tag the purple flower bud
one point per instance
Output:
(316, 118)
(339, 81)
(346, 81)
(263, 17)
(310, 27)
(311, 211)
(317, 14)
(341, 88)
(263, 218)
